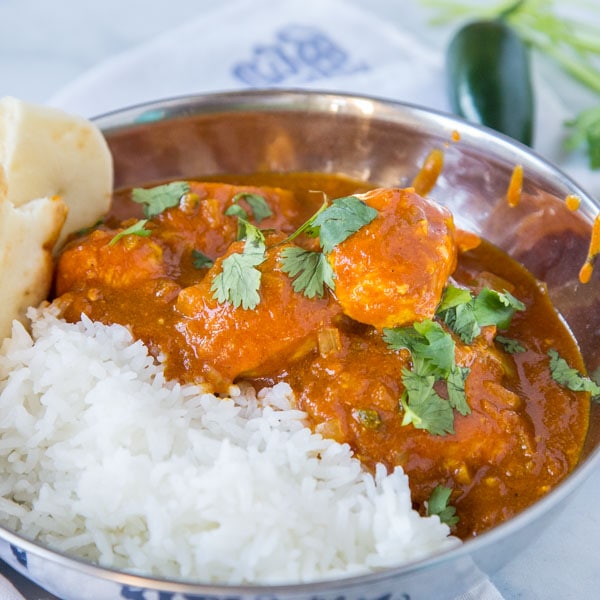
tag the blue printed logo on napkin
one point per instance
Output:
(297, 55)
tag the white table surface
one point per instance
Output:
(45, 45)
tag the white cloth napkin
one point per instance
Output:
(8, 591)
(317, 44)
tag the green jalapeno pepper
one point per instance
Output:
(489, 80)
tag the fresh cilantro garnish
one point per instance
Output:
(311, 270)
(258, 205)
(136, 229)
(423, 406)
(340, 220)
(239, 280)
(432, 352)
(511, 346)
(496, 308)
(454, 296)
(200, 260)
(307, 226)
(333, 225)
(438, 505)
(571, 378)
(431, 347)
(235, 210)
(462, 320)
(466, 315)
(456, 389)
(161, 197)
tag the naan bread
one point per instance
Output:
(27, 236)
(45, 152)
(55, 178)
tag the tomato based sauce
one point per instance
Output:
(524, 431)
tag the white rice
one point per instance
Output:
(101, 458)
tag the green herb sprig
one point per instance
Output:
(438, 505)
(138, 228)
(433, 359)
(157, 199)
(466, 315)
(332, 224)
(571, 378)
(258, 205)
(239, 279)
(432, 350)
(310, 271)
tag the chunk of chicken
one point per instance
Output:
(225, 342)
(93, 261)
(392, 271)
(197, 224)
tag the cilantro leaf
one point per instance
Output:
(436, 349)
(239, 280)
(431, 347)
(571, 378)
(200, 260)
(161, 197)
(453, 296)
(340, 220)
(401, 337)
(333, 224)
(456, 389)
(462, 320)
(457, 311)
(432, 351)
(136, 229)
(511, 346)
(311, 270)
(307, 227)
(423, 407)
(496, 308)
(258, 205)
(438, 505)
(235, 210)
(466, 315)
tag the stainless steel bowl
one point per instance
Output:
(384, 143)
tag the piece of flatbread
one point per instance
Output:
(46, 152)
(55, 178)
(27, 235)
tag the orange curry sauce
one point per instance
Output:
(524, 432)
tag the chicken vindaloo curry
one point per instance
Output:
(416, 343)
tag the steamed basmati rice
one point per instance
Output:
(100, 457)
